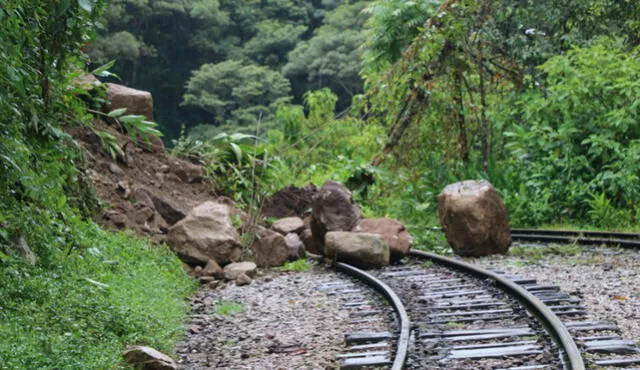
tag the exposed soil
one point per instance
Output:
(290, 201)
(155, 173)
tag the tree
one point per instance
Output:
(272, 42)
(234, 92)
(333, 56)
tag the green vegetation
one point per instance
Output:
(90, 292)
(226, 308)
(298, 265)
(396, 99)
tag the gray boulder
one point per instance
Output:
(294, 246)
(363, 250)
(333, 210)
(206, 233)
(269, 249)
(474, 218)
(288, 225)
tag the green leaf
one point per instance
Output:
(117, 112)
(103, 70)
(87, 5)
(238, 152)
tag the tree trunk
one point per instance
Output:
(484, 125)
(460, 117)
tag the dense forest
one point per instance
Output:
(394, 98)
(398, 98)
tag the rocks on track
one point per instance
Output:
(474, 218)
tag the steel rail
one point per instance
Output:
(403, 340)
(556, 328)
(628, 240)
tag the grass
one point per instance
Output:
(228, 308)
(536, 254)
(82, 309)
(298, 265)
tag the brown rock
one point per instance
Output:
(311, 245)
(233, 270)
(187, 171)
(243, 280)
(116, 218)
(206, 233)
(333, 210)
(143, 214)
(212, 269)
(362, 250)
(140, 196)
(288, 225)
(170, 210)
(475, 218)
(294, 246)
(391, 230)
(147, 358)
(270, 249)
(136, 101)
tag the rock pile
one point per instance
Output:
(335, 229)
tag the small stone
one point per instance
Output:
(115, 169)
(164, 168)
(288, 225)
(212, 269)
(243, 279)
(233, 270)
(213, 284)
(206, 279)
(147, 358)
(123, 189)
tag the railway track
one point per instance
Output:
(451, 315)
(626, 240)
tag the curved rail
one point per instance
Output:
(385, 290)
(628, 240)
(551, 321)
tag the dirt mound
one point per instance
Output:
(143, 191)
(290, 201)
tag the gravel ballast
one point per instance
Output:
(607, 280)
(286, 322)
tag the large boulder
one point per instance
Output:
(392, 231)
(474, 218)
(147, 358)
(206, 234)
(269, 249)
(137, 102)
(363, 250)
(333, 210)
